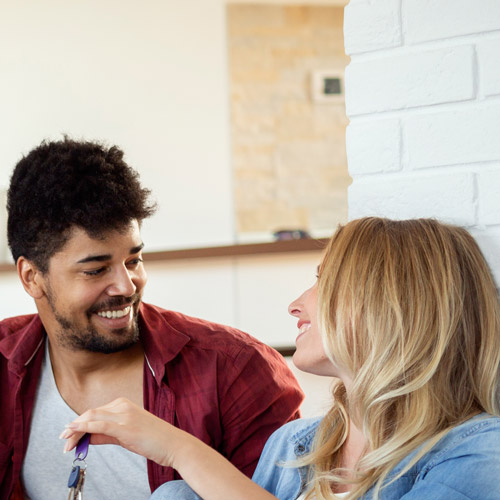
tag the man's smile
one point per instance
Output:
(114, 314)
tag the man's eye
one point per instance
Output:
(94, 272)
(134, 262)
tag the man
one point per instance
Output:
(74, 216)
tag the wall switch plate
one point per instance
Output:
(327, 86)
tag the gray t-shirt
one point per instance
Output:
(112, 471)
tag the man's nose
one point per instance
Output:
(122, 283)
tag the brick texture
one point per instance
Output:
(439, 19)
(454, 137)
(449, 197)
(374, 146)
(372, 25)
(290, 167)
(424, 109)
(489, 66)
(409, 80)
(489, 194)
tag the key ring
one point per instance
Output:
(80, 462)
(82, 448)
(77, 475)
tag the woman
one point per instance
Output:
(405, 317)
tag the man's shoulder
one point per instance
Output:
(19, 337)
(205, 334)
(15, 324)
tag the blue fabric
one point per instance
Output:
(174, 490)
(464, 465)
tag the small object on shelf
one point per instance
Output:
(291, 234)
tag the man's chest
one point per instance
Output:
(102, 388)
(46, 469)
(101, 392)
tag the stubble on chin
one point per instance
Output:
(91, 340)
(77, 338)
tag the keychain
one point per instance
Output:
(77, 475)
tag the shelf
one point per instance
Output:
(286, 246)
(275, 247)
(7, 268)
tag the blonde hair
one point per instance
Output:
(410, 310)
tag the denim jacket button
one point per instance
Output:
(301, 448)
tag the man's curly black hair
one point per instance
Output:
(63, 184)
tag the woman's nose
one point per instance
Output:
(296, 306)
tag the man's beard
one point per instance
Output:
(76, 338)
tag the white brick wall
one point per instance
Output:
(372, 25)
(489, 66)
(439, 19)
(450, 195)
(468, 135)
(374, 146)
(409, 79)
(423, 98)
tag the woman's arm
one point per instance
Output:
(206, 471)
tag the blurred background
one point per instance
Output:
(233, 114)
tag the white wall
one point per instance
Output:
(149, 76)
(423, 98)
(152, 78)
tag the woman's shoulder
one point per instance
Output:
(295, 431)
(289, 441)
(472, 443)
(285, 445)
(465, 463)
(480, 434)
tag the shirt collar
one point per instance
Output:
(24, 343)
(154, 328)
(21, 346)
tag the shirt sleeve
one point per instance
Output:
(259, 394)
(461, 476)
(178, 490)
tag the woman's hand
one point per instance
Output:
(126, 424)
(204, 469)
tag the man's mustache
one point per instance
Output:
(115, 302)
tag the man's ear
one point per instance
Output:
(31, 278)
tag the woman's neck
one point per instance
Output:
(352, 451)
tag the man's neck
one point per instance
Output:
(87, 380)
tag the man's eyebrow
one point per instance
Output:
(136, 249)
(105, 257)
(95, 258)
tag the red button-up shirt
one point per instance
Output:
(215, 382)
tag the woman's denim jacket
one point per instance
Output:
(464, 465)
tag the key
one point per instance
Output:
(75, 483)
(73, 476)
(77, 474)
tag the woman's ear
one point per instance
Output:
(31, 278)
